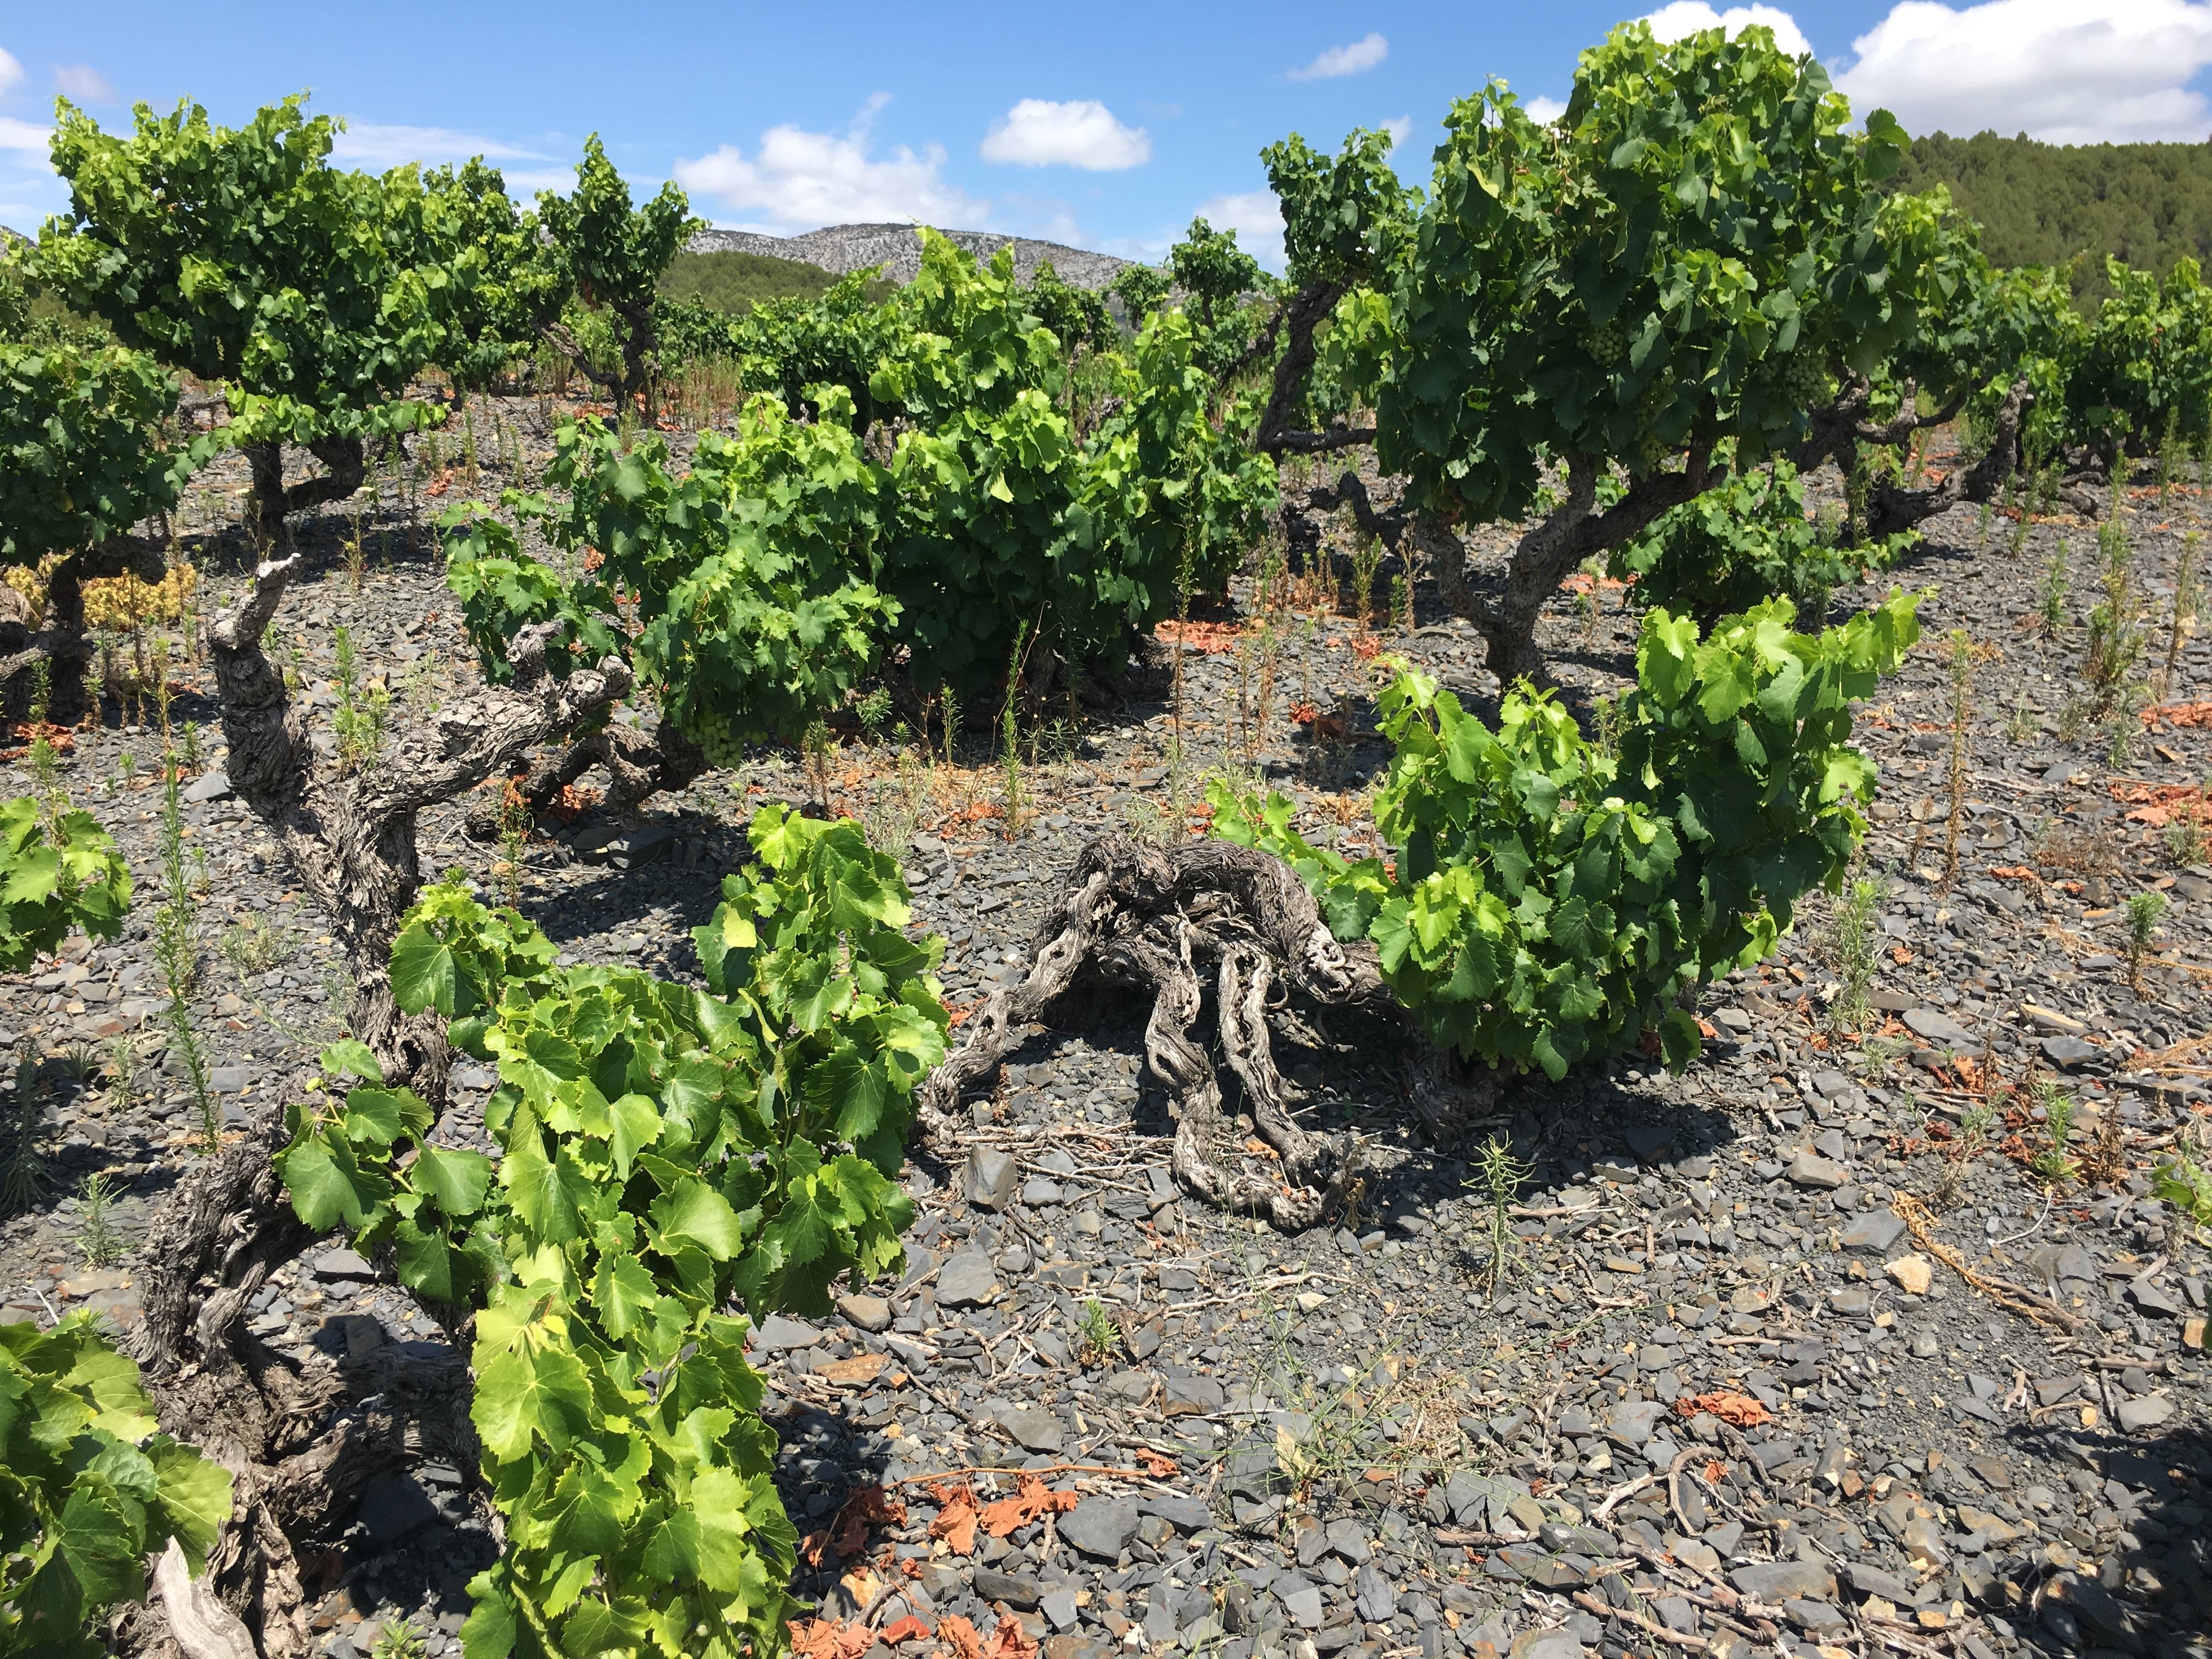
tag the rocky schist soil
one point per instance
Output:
(1975, 1427)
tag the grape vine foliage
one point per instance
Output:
(664, 1152)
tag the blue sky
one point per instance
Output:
(1107, 126)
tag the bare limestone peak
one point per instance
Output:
(897, 248)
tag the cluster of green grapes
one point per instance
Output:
(718, 738)
(1609, 343)
(1805, 380)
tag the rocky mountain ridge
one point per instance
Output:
(897, 248)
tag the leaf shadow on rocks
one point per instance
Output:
(2157, 1490)
(824, 1457)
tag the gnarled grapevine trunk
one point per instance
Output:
(1161, 919)
(638, 765)
(302, 1442)
(273, 501)
(351, 841)
(1572, 532)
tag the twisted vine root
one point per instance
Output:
(1160, 919)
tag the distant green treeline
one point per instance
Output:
(2053, 204)
(736, 281)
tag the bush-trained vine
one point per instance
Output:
(662, 1150)
(89, 1487)
(1550, 900)
(601, 251)
(242, 256)
(59, 873)
(752, 576)
(787, 565)
(495, 286)
(2142, 373)
(82, 459)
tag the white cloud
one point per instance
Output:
(1257, 217)
(373, 144)
(1401, 129)
(86, 84)
(1680, 17)
(1080, 133)
(24, 135)
(1360, 55)
(2068, 71)
(1544, 111)
(10, 70)
(803, 179)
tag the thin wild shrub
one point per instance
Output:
(176, 953)
(1851, 953)
(1959, 663)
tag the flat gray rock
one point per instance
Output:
(394, 1505)
(1811, 1170)
(1102, 1527)
(777, 1334)
(967, 1280)
(1012, 1589)
(1933, 1025)
(1303, 1603)
(2145, 1412)
(213, 785)
(343, 1263)
(1376, 1598)
(1870, 1580)
(868, 1313)
(1871, 1232)
(1180, 1510)
(1632, 1421)
(987, 1180)
(1038, 1431)
(1776, 1582)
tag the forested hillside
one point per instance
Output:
(2046, 204)
(731, 281)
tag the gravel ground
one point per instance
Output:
(1774, 1356)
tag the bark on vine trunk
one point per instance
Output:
(1839, 430)
(1572, 532)
(301, 1440)
(351, 842)
(638, 765)
(1892, 507)
(273, 501)
(1162, 920)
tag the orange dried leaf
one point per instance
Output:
(957, 1515)
(1210, 637)
(962, 1639)
(1011, 1641)
(830, 1638)
(867, 1507)
(1740, 1409)
(1032, 1501)
(909, 1629)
